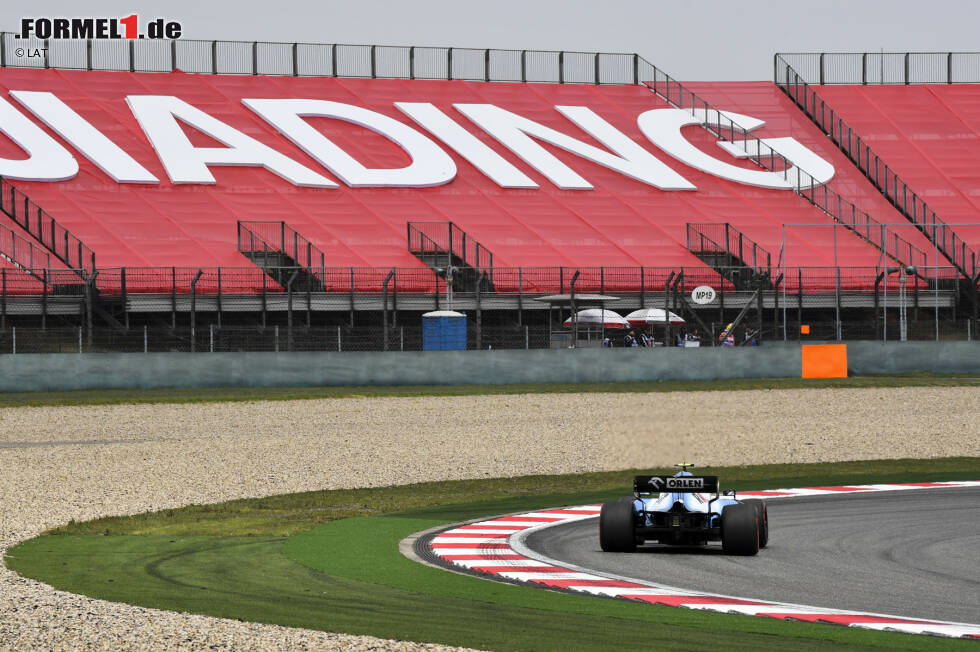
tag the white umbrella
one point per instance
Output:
(652, 316)
(598, 317)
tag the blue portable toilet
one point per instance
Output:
(444, 330)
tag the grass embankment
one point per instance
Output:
(227, 394)
(329, 560)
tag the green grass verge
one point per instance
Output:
(329, 560)
(213, 395)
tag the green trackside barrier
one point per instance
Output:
(87, 371)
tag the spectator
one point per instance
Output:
(647, 339)
(630, 340)
(606, 342)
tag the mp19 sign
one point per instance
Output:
(703, 294)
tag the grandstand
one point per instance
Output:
(202, 186)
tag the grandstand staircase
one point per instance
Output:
(285, 255)
(443, 246)
(822, 197)
(874, 168)
(731, 253)
(52, 256)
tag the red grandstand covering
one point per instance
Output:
(620, 223)
(764, 100)
(929, 135)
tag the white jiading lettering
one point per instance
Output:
(157, 115)
(466, 145)
(430, 166)
(515, 132)
(663, 128)
(46, 159)
(88, 140)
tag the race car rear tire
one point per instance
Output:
(740, 530)
(763, 520)
(616, 530)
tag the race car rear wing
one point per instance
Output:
(652, 484)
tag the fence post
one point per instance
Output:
(411, 62)
(255, 62)
(276, 337)
(3, 295)
(486, 65)
(401, 337)
(194, 310)
(214, 57)
(523, 65)
(338, 338)
(3, 50)
(333, 59)
(527, 339)
(384, 301)
(449, 64)
(13, 340)
(295, 60)
(44, 299)
(219, 298)
(211, 338)
(125, 301)
(79, 339)
(636, 68)
(949, 67)
(479, 313)
(173, 55)
(520, 295)
(88, 54)
(906, 69)
(173, 297)
(821, 68)
(595, 74)
(146, 343)
(374, 62)
(47, 62)
(89, 287)
(561, 67)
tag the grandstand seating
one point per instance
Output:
(16, 281)
(764, 100)
(622, 223)
(929, 135)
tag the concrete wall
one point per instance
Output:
(866, 358)
(54, 372)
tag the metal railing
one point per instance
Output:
(264, 237)
(326, 60)
(821, 196)
(895, 189)
(714, 239)
(446, 238)
(251, 282)
(882, 67)
(22, 252)
(882, 303)
(47, 230)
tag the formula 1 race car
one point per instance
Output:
(674, 510)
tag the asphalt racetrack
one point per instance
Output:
(913, 553)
